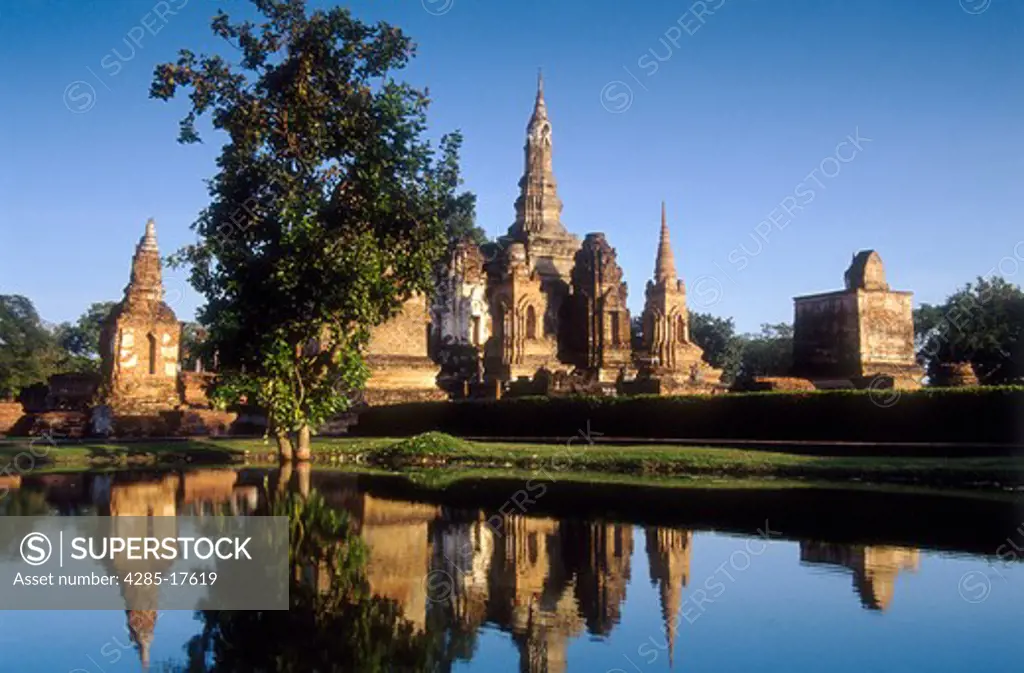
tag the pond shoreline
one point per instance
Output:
(986, 472)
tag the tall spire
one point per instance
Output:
(146, 283)
(540, 108)
(148, 241)
(665, 266)
(538, 208)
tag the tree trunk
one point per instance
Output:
(284, 478)
(284, 445)
(303, 472)
(304, 449)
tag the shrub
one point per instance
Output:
(427, 444)
(989, 414)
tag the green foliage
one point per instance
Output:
(194, 347)
(29, 352)
(930, 415)
(81, 340)
(743, 356)
(982, 323)
(769, 353)
(428, 444)
(319, 536)
(460, 220)
(717, 337)
(328, 210)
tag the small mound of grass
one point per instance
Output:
(426, 445)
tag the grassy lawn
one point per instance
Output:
(435, 450)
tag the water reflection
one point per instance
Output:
(416, 580)
(874, 568)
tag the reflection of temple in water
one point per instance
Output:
(397, 536)
(162, 495)
(668, 555)
(874, 568)
(544, 581)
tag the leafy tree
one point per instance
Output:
(461, 221)
(29, 353)
(194, 347)
(981, 323)
(81, 340)
(329, 208)
(769, 353)
(719, 341)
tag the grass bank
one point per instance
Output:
(437, 450)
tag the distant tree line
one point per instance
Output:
(32, 350)
(981, 323)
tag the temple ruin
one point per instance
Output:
(863, 334)
(674, 360)
(539, 310)
(140, 339)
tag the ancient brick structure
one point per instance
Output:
(398, 356)
(862, 334)
(461, 319)
(525, 340)
(460, 312)
(600, 334)
(538, 224)
(10, 414)
(956, 375)
(543, 312)
(192, 388)
(670, 356)
(529, 277)
(72, 391)
(139, 342)
(787, 384)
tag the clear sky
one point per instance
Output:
(732, 111)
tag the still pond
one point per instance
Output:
(519, 575)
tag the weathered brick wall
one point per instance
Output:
(60, 424)
(10, 414)
(193, 387)
(886, 330)
(601, 316)
(206, 422)
(398, 357)
(72, 391)
(135, 384)
(826, 335)
(404, 334)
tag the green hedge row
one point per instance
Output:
(979, 415)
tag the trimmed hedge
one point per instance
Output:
(977, 415)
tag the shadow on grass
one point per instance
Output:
(106, 453)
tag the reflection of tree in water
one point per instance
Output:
(333, 622)
(25, 502)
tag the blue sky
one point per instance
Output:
(732, 111)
